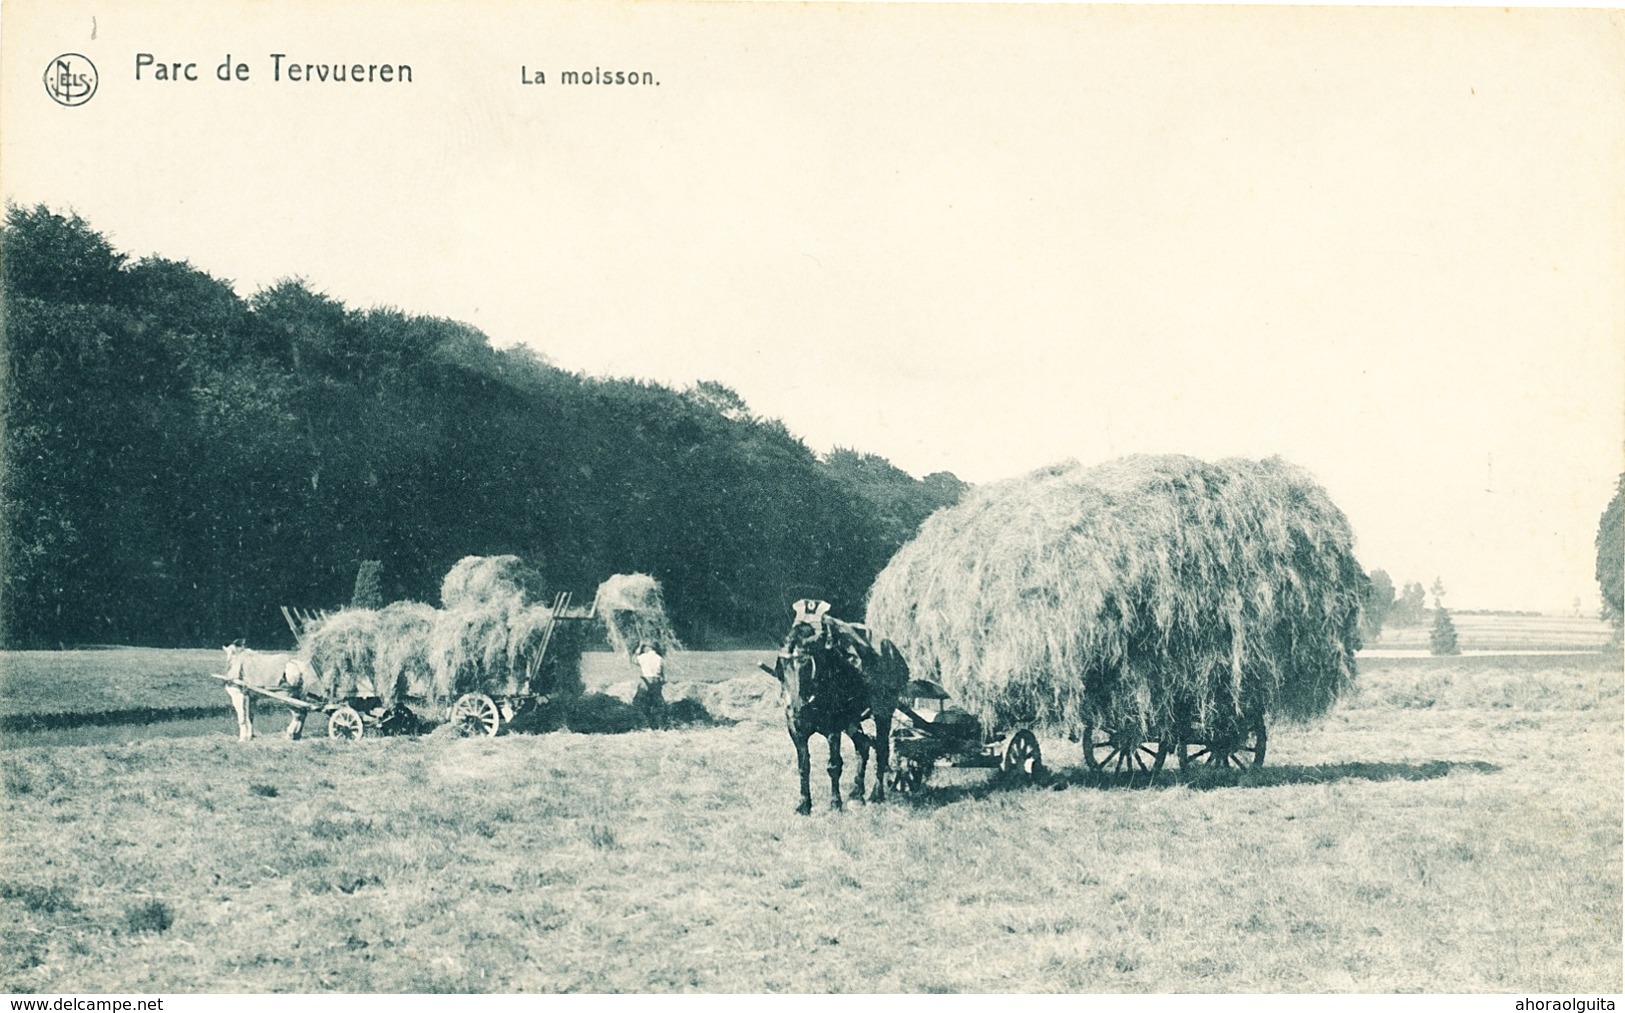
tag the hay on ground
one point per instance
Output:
(1146, 593)
(633, 609)
(485, 580)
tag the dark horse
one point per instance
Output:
(836, 675)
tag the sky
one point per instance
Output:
(1386, 244)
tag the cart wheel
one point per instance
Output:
(1242, 750)
(1021, 755)
(476, 714)
(1114, 752)
(346, 723)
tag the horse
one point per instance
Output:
(835, 675)
(283, 673)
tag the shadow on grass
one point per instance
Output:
(1199, 780)
(602, 714)
(126, 716)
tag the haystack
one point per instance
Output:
(1140, 594)
(634, 611)
(486, 580)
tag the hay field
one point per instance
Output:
(1452, 827)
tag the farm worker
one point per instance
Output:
(651, 694)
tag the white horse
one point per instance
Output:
(283, 673)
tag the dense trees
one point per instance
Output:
(178, 461)
(1611, 556)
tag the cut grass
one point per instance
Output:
(1462, 846)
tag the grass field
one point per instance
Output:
(1501, 632)
(70, 684)
(1456, 826)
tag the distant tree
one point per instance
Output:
(1438, 592)
(1611, 557)
(1379, 603)
(1411, 608)
(369, 587)
(1442, 638)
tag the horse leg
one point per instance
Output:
(861, 743)
(245, 720)
(882, 755)
(834, 769)
(804, 767)
(296, 723)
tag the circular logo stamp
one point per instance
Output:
(70, 79)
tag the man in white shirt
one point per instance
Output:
(650, 698)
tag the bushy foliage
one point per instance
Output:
(1611, 556)
(1379, 603)
(1410, 609)
(369, 586)
(1442, 638)
(178, 461)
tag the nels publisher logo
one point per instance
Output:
(70, 79)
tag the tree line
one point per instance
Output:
(177, 461)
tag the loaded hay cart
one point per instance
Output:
(489, 658)
(931, 733)
(407, 668)
(1148, 607)
(479, 666)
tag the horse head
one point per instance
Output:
(797, 672)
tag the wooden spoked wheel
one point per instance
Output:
(476, 714)
(1021, 755)
(1242, 749)
(1115, 752)
(346, 723)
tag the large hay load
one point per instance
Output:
(1149, 596)
(491, 639)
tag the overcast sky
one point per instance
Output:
(1388, 245)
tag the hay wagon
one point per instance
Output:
(930, 733)
(485, 710)
(1153, 606)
